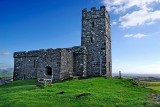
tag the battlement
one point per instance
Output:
(93, 12)
(102, 8)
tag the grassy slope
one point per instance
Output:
(154, 85)
(104, 92)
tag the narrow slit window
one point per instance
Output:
(91, 39)
(34, 64)
(92, 24)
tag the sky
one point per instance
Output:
(41, 24)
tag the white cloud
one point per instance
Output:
(123, 5)
(150, 23)
(113, 23)
(139, 18)
(145, 12)
(137, 36)
(5, 53)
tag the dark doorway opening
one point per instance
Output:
(48, 70)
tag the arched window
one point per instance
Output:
(48, 70)
(92, 24)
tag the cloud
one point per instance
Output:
(134, 12)
(113, 23)
(5, 53)
(139, 18)
(137, 36)
(123, 5)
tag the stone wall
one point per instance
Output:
(96, 38)
(4, 80)
(66, 69)
(49, 58)
(80, 61)
(33, 64)
(24, 64)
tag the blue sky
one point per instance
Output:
(40, 24)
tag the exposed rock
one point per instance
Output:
(62, 92)
(83, 95)
(4, 80)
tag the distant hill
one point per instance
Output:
(6, 72)
(92, 92)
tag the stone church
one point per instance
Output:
(92, 58)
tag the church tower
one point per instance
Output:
(97, 40)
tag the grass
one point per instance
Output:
(154, 85)
(93, 92)
(5, 75)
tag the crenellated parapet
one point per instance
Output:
(95, 13)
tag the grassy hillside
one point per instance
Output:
(154, 85)
(94, 92)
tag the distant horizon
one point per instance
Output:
(137, 73)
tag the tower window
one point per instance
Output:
(103, 48)
(91, 39)
(92, 24)
(34, 64)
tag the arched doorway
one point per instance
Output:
(48, 70)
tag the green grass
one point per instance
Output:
(103, 93)
(154, 85)
(5, 75)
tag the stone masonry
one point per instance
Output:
(96, 38)
(92, 58)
